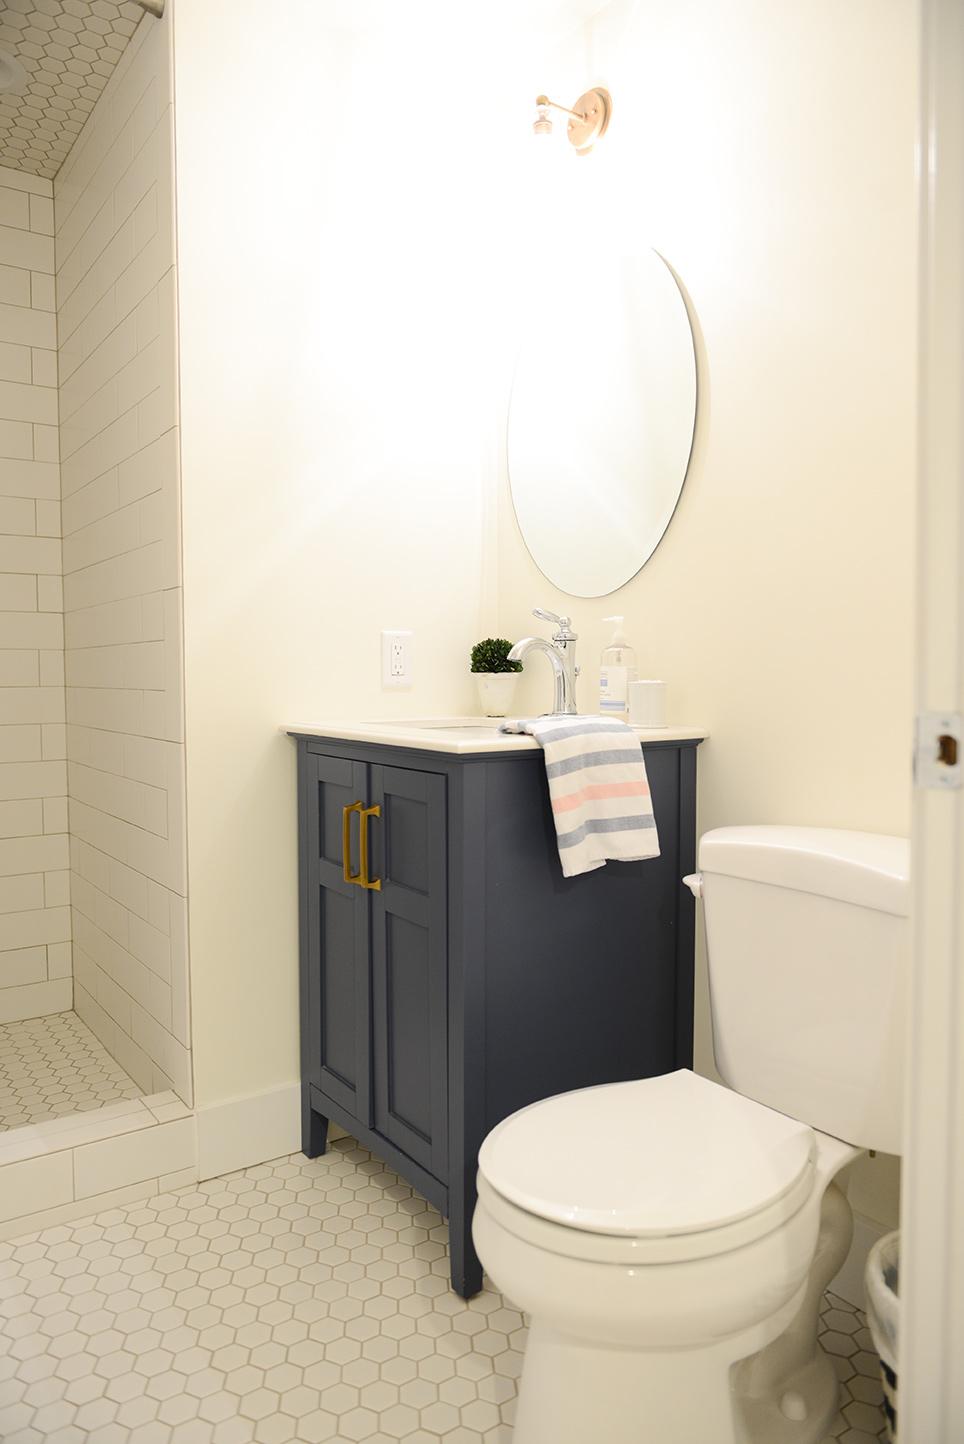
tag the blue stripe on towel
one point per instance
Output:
(593, 759)
(603, 824)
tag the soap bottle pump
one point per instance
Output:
(617, 669)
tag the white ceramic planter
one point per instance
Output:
(496, 691)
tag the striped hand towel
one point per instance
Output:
(598, 789)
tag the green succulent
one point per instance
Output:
(492, 655)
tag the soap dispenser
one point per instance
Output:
(617, 668)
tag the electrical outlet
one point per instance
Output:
(397, 659)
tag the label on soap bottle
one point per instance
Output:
(614, 689)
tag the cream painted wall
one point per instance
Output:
(767, 151)
(332, 483)
(345, 472)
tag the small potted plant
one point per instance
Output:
(495, 675)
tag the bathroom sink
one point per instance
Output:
(468, 730)
(482, 726)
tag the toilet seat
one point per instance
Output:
(674, 1166)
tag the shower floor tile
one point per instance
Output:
(292, 1303)
(53, 1066)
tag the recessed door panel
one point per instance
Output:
(406, 841)
(407, 982)
(332, 799)
(338, 1033)
(409, 985)
(339, 1021)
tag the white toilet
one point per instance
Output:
(671, 1239)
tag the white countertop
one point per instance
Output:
(461, 735)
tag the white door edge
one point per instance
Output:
(931, 1381)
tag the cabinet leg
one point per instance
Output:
(466, 1268)
(314, 1132)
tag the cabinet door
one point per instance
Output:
(337, 1031)
(409, 982)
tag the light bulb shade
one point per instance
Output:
(542, 125)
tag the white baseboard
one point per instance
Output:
(245, 1131)
(849, 1282)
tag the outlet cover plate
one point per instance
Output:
(397, 648)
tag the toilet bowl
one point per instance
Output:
(671, 1238)
(657, 1233)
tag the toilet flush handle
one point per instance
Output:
(694, 881)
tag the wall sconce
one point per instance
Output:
(588, 118)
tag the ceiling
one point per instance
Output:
(69, 49)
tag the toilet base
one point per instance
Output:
(574, 1393)
(788, 1392)
(762, 1421)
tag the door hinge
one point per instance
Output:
(938, 750)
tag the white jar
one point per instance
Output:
(647, 704)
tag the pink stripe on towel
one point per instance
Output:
(600, 796)
(599, 789)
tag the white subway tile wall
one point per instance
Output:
(35, 967)
(122, 573)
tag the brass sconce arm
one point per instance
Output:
(587, 122)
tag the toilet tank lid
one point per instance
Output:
(868, 869)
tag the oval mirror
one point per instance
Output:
(601, 421)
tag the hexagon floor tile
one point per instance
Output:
(293, 1303)
(846, 1338)
(53, 1066)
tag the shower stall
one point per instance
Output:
(94, 1010)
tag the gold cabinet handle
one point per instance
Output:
(374, 884)
(346, 813)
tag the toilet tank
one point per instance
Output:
(807, 939)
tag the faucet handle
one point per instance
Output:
(563, 623)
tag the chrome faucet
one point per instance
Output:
(561, 652)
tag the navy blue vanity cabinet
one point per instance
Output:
(373, 980)
(450, 974)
